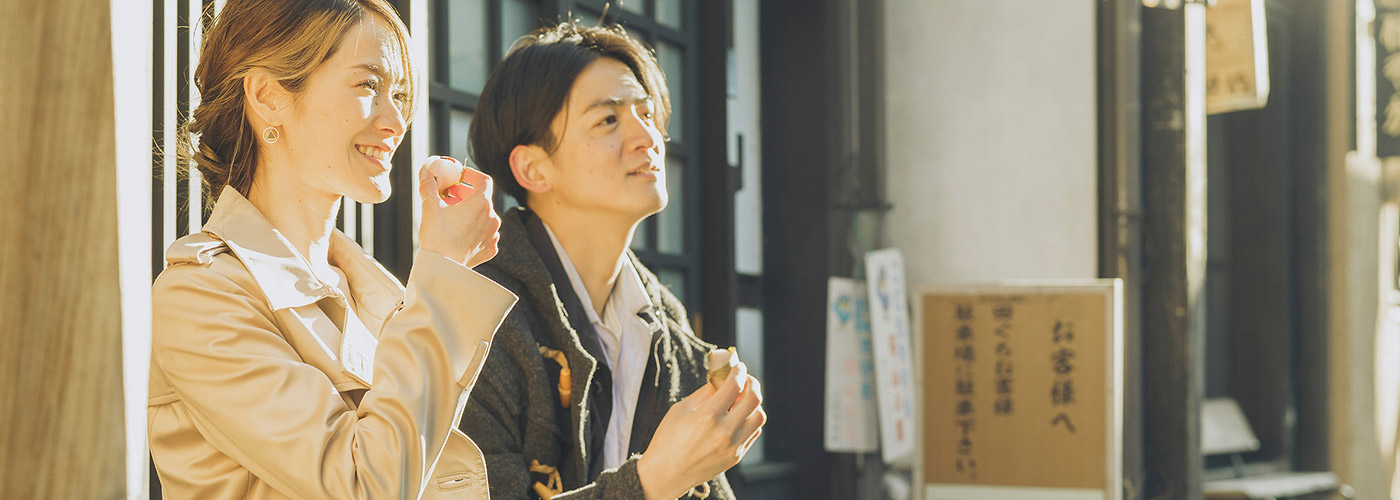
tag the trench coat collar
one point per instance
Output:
(282, 273)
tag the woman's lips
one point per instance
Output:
(375, 152)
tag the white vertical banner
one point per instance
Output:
(850, 370)
(894, 366)
(132, 52)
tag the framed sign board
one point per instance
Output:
(1021, 393)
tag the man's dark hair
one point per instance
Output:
(529, 87)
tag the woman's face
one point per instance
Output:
(346, 122)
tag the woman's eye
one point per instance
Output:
(369, 84)
(401, 97)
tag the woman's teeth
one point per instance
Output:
(375, 153)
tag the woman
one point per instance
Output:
(286, 362)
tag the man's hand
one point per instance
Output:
(702, 436)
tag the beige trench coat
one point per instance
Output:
(249, 397)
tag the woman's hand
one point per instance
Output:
(458, 219)
(702, 436)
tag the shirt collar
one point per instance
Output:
(280, 271)
(627, 291)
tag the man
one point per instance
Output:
(596, 385)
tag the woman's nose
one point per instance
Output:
(390, 116)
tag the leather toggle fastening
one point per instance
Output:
(566, 379)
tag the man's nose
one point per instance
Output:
(643, 130)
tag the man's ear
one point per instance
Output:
(530, 166)
(268, 101)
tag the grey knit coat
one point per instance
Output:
(515, 415)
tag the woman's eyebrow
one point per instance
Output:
(372, 68)
(377, 70)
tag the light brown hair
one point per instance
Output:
(288, 38)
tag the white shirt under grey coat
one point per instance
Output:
(626, 342)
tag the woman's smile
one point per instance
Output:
(379, 155)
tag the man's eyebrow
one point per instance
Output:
(612, 102)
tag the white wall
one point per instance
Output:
(990, 138)
(132, 53)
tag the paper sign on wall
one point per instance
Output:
(1237, 56)
(850, 369)
(894, 366)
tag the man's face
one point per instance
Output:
(609, 157)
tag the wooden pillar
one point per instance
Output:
(799, 86)
(1327, 134)
(61, 351)
(1351, 302)
(1173, 147)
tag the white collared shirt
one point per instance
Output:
(626, 342)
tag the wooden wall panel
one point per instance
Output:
(61, 409)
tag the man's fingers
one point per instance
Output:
(745, 432)
(754, 427)
(747, 402)
(728, 390)
(755, 388)
(697, 398)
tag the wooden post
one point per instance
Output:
(799, 81)
(720, 283)
(1173, 144)
(62, 408)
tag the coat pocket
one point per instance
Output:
(461, 467)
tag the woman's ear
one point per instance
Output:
(529, 165)
(268, 101)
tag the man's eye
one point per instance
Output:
(609, 120)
